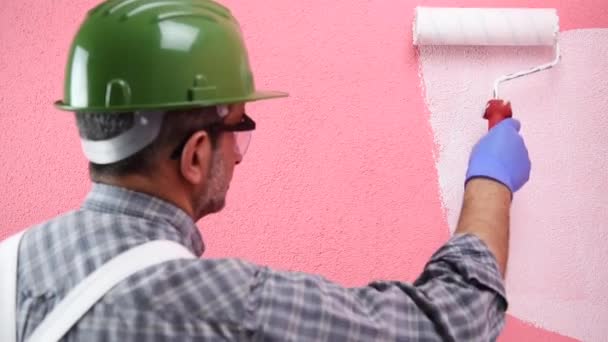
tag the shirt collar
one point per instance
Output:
(112, 199)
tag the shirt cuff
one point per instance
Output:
(473, 261)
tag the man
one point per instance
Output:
(159, 89)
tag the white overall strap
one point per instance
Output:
(9, 253)
(80, 299)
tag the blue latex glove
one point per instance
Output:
(501, 155)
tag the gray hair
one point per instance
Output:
(177, 125)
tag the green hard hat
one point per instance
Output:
(158, 54)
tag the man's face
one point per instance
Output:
(224, 158)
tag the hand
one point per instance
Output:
(501, 155)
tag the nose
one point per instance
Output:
(242, 140)
(238, 155)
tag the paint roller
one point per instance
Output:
(490, 27)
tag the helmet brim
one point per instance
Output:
(255, 96)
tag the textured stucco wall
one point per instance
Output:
(559, 242)
(341, 178)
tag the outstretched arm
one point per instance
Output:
(498, 167)
(485, 213)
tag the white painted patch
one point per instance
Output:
(557, 273)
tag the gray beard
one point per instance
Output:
(213, 198)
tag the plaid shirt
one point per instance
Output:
(458, 297)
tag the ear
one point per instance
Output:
(195, 158)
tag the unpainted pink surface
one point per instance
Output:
(340, 178)
(517, 330)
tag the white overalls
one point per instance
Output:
(82, 297)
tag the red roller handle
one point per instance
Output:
(496, 111)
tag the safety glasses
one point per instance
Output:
(242, 133)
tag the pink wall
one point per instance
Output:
(341, 177)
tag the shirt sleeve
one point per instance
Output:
(459, 296)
